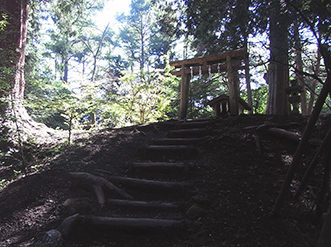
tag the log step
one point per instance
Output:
(198, 132)
(81, 222)
(170, 148)
(179, 141)
(195, 124)
(149, 185)
(130, 223)
(167, 152)
(162, 166)
(143, 204)
(190, 123)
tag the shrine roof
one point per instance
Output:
(225, 98)
(211, 59)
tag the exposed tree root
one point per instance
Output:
(97, 184)
(68, 224)
(288, 135)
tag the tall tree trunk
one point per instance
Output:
(247, 75)
(142, 43)
(12, 48)
(94, 69)
(244, 31)
(314, 82)
(278, 71)
(19, 83)
(65, 68)
(12, 45)
(65, 60)
(299, 68)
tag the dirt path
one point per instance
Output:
(224, 189)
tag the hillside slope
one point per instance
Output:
(231, 175)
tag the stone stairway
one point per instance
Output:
(158, 181)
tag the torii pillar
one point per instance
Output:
(184, 91)
(233, 88)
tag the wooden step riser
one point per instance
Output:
(85, 226)
(143, 204)
(189, 124)
(178, 141)
(160, 167)
(192, 133)
(195, 125)
(165, 153)
(148, 185)
(166, 156)
(131, 223)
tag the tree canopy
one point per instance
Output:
(60, 72)
(108, 74)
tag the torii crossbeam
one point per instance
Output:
(229, 62)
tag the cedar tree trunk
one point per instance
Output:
(299, 68)
(278, 71)
(12, 48)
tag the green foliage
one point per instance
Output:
(70, 18)
(202, 90)
(45, 100)
(71, 36)
(115, 90)
(145, 99)
(5, 77)
(259, 97)
(4, 22)
(2, 182)
(218, 25)
(170, 17)
(140, 36)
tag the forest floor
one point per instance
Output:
(233, 188)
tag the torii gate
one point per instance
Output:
(226, 61)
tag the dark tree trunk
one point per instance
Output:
(278, 72)
(142, 48)
(12, 52)
(65, 69)
(12, 43)
(244, 31)
(299, 68)
(314, 82)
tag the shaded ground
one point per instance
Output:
(233, 193)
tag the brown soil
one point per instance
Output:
(232, 188)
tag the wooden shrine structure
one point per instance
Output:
(229, 62)
(220, 105)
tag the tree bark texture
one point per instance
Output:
(19, 83)
(233, 88)
(12, 47)
(12, 62)
(314, 82)
(278, 72)
(184, 90)
(299, 68)
(10, 35)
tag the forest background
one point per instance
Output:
(59, 69)
(79, 76)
